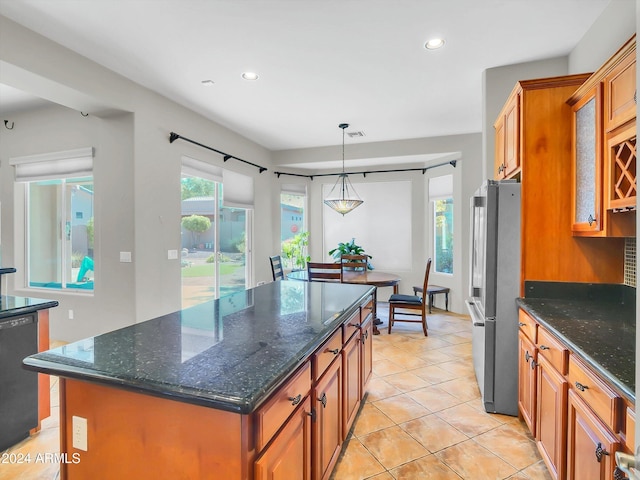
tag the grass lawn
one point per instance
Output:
(207, 270)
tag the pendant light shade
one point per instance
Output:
(343, 197)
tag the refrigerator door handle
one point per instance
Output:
(476, 319)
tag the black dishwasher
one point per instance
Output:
(18, 387)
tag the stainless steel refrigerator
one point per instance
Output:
(494, 286)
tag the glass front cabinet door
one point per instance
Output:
(587, 165)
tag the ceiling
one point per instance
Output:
(320, 62)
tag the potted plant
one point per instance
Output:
(349, 248)
(294, 251)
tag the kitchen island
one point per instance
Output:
(226, 389)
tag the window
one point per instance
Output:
(441, 197)
(443, 235)
(59, 218)
(293, 235)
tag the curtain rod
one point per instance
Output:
(225, 156)
(421, 169)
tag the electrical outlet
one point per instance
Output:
(125, 257)
(79, 427)
(172, 254)
(70, 314)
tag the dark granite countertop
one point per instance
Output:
(597, 322)
(11, 306)
(228, 354)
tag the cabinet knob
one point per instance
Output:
(600, 452)
(335, 351)
(619, 474)
(295, 400)
(591, 220)
(522, 324)
(544, 347)
(527, 357)
(323, 400)
(533, 364)
(312, 414)
(581, 387)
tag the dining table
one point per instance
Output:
(362, 277)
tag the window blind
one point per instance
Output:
(48, 166)
(198, 168)
(294, 188)
(237, 190)
(440, 187)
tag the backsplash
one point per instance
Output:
(630, 261)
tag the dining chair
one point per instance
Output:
(324, 272)
(410, 302)
(350, 263)
(276, 267)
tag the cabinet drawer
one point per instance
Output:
(366, 309)
(326, 354)
(273, 414)
(351, 326)
(528, 326)
(619, 92)
(630, 430)
(602, 400)
(553, 351)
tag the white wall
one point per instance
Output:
(138, 169)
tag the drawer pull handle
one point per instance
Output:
(591, 220)
(544, 347)
(312, 414)
(618, 474)
(600, 452)
(582, 388)
(335, 351)
(355, 325)
(522, 324)
(295, 400)
(527, 357)
(533, 363)
(323, 400)
(365, 335)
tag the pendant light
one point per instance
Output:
(343, 197)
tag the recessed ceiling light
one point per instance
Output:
(250, 76)
(207, 83)
(434, 43)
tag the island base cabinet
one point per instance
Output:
(289, 455)
(327, 424)
(551, 417)
(591, 447)
(351, 365)
(132, 435)
(527, 381)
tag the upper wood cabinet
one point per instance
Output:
(507, 153)
(604, 149)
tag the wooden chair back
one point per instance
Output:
(410, 302)
(323, 272)
(276, 267)
(353, 263)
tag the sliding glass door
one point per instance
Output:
(214, 242)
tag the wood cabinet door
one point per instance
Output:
(591, 447)
(367, 353)
(289, 455)
(352, 381)
(620, 92)
(527, 381)
(551, 415)
(512, 137)
(498, 161)
(587, 183)
(327, 427)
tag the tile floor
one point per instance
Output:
(422, 418)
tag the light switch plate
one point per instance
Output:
(125, 257)
(172, 254)
(79, 427)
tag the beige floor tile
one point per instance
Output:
(468, 420)
(401, 408)
(464, 388)
(393, 447)
(386, 367)
(433, 433)
(461, 368)
(408, 360)
(436, 356)
(356, 463)
(514, 448)
(434, 374)
(379, 389)
(406, 381)
(371, 419)
(425, 468)
(460, 350)
(434, 398)
(473, 462)
(537, 471)
(478, 405)
(380, 476)
(456, 338)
